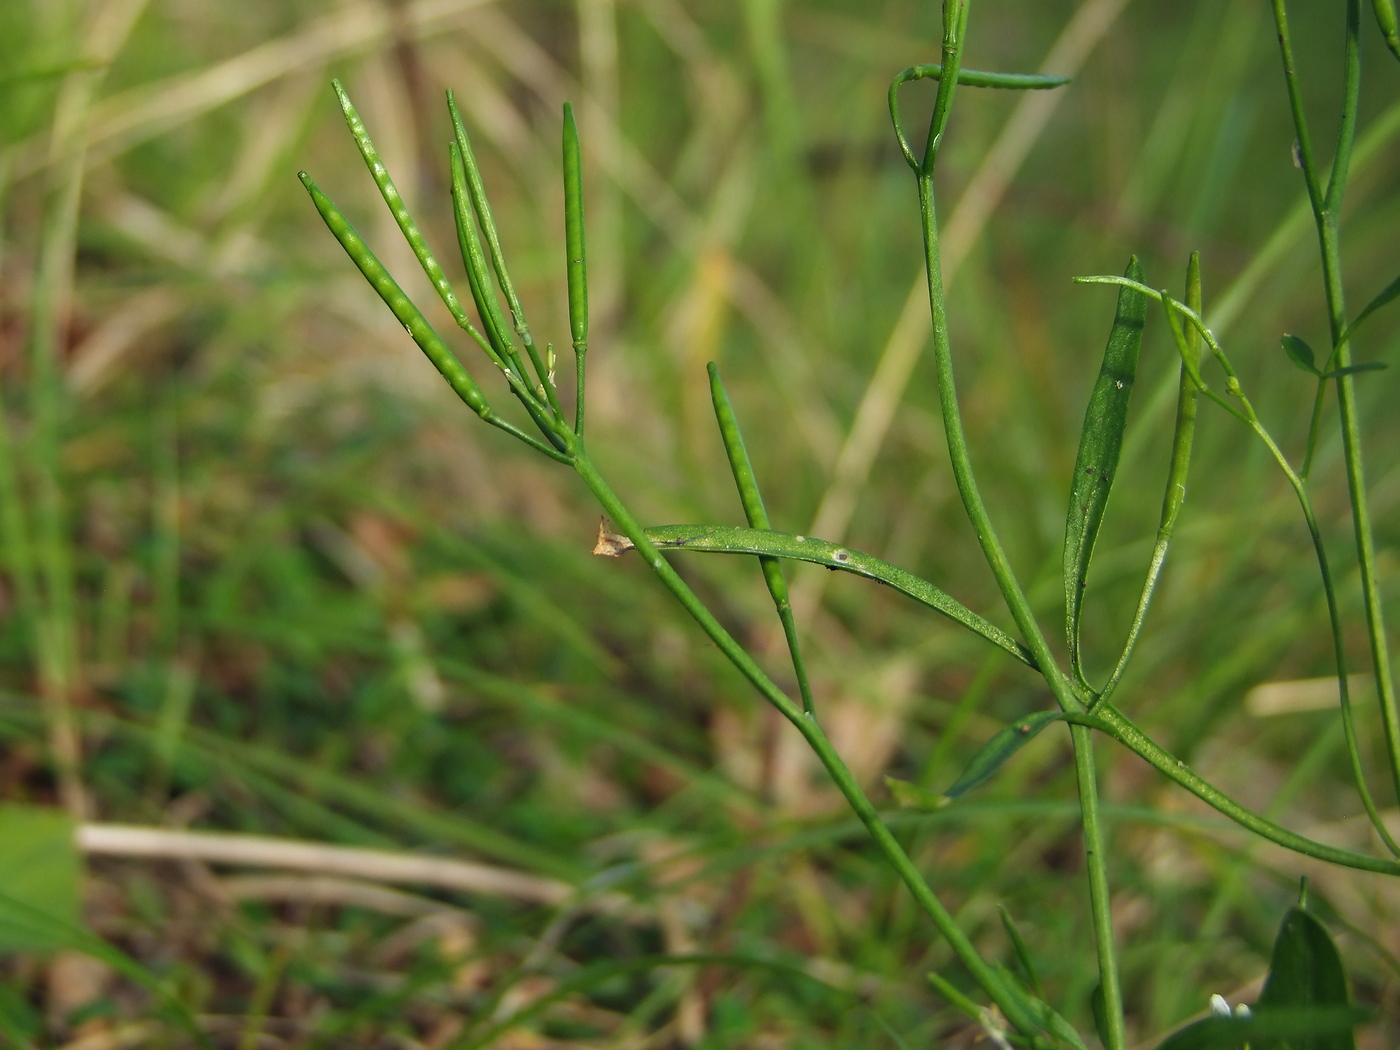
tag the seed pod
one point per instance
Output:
(1389, 23)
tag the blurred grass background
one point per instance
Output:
(282, 583)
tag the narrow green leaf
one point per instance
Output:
(1100, 443)
(1284, 1027)
(1300, 353)
(1305, 971)
(999, 749)
(408, 315)
(1351, 370)
(1023, 954)
(1387, 294)
(984, 765)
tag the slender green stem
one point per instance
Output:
(1251, 418)
(1010, 1004)
(752, 499)
(713, 539)
(1129, 735)
(1327, 215)
(1099, 894)
(954, 29)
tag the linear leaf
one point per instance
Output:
(999, 749)
(1351, 370)
(1388, 293)
(1100, 443)
(1300, 353)
(984, 765)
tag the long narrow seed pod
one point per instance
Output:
(577, 255)
(757, 515)
(477, 190)
(399, 209)
(474, 261)
(417, 326)
(1389, 23)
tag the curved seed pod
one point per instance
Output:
(1100, 443)
(394, 298)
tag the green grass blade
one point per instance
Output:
(757, 515)
(1023, 954)
(394, 200)
(1100, 443)
(576, 250)
(720, 539)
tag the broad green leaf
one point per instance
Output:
(1300, 353)
(1276, 1028)
(1351, 370)
(1100, 443)
(1388, 293)
(1305, 970)
(40, 869)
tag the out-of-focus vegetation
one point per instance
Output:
(279, 583)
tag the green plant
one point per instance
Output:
(1306, 996)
